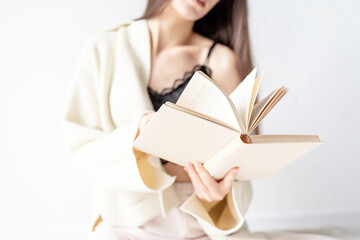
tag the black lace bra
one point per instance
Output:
(173, 93)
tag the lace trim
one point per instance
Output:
(183, 80)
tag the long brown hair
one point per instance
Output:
(227, 23)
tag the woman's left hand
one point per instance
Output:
(208, 189)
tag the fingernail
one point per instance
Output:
(185, 168)
(188, 166)
(235, 171)
(197, 164)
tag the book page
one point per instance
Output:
(263, 107)
(204, 95)
(200, 115)
(181, 137)
(253, 98)
(258, 108)
(242, 97)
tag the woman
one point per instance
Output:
(123, 75)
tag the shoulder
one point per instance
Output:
(119, 26)
(105, 41)
(107, 36)
(223, 57)
(225, 67)
(223, 62)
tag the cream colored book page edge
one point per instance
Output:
(262, 106)
(283, 138)
(259, 107)
(253, 98)
(272, 103)
(217, 104)
(266, 109)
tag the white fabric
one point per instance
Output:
(176, 226)
(107, 97)
(179, 225)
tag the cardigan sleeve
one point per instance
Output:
(227, 216)
(105, 156)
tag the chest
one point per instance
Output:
(171, 65)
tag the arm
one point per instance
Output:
(105, 155)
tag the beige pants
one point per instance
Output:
(179, 226)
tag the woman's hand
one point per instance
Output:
(208, 189)
(145, 119)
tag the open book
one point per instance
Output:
(208, 125)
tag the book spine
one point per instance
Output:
(217, 163)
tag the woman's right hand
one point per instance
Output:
(209, 190)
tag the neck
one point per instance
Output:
(169, 29)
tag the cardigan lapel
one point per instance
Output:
(140, 40)
(139, 36)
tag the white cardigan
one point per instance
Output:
(107, 96)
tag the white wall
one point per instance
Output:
(313, 48)
(310, 46)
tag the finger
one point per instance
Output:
(229, 178)
(145, 119)
(206, 178)
(200, 188)
(215, 193)
(148, 118)
(195, 178)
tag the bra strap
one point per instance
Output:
(209, 52)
